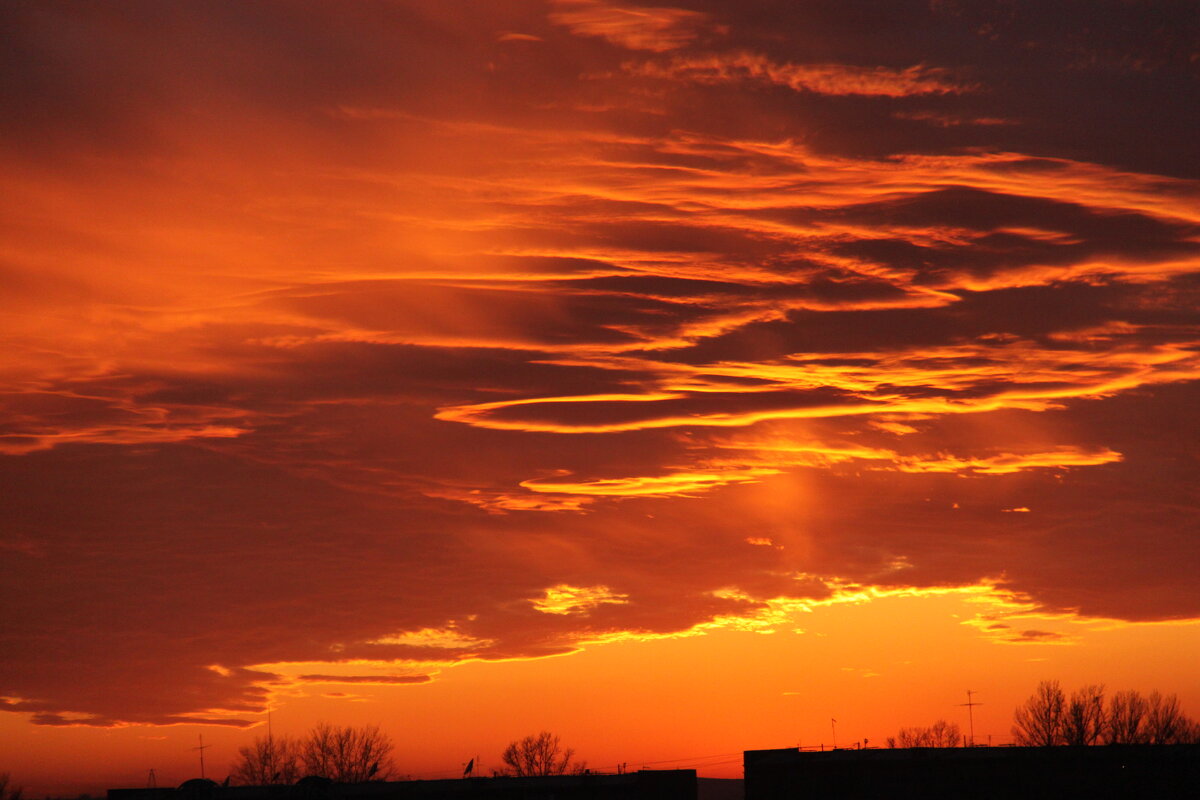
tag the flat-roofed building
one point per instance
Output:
(677, 784)
(1113, 772)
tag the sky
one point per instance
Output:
(678, 378)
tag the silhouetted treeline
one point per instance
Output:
(355, 755)
(539, 754)
(939, 734)
(1049, 717)
(343, 754)
(7, 790)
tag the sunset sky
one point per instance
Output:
(762, 362)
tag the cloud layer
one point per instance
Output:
(346, 346)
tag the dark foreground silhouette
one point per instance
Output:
(1124, 772)
(679, 784)
(1112, 772)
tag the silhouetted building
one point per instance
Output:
(719, 788)
(678, 784)
(1127, 772)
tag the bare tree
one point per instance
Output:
(1039, 722)
(270, 760)
(7, 790)
(944, 734)
(1084, 717)
(939, 734)
(1047, 718)
(1190, 734)
(347, 754)
(1127, 719)
(539, 754)
(1165, 721)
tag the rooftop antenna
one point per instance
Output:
(202, 748)
(970, 704)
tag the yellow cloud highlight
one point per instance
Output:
(376, 680)
(675, 484)
(770, 614)
(564, 599)
(436, 638)
(780, 454)
(987, 375)
(1005, 463)
(772, 457)
(779, 614)
(1013, 618)
(806, 453)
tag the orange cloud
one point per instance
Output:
(17, 444)
(657, 29)
(830, 79)
(512, 36)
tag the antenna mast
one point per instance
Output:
(202, 748)
(970, 704)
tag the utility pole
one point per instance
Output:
(970, 704)
(833, 724)
(202, 748)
